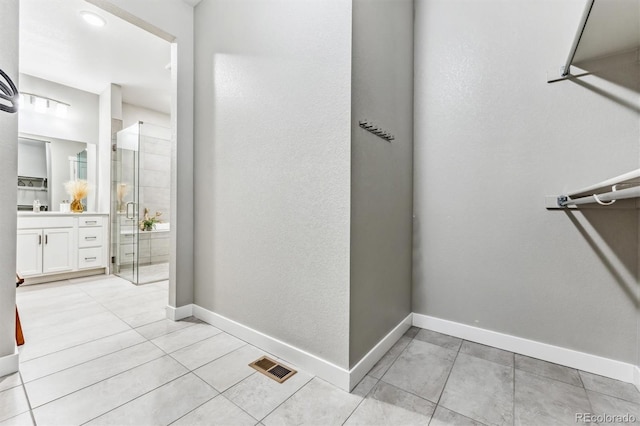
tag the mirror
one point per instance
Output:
(45, 164)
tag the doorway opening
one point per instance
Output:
(90, 86)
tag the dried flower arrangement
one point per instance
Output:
(122, 190)
(77, 190)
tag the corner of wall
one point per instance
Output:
(9, 363)
(8, 194)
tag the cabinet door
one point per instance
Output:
(29, 252)
(58, 250)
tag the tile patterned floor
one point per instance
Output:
(147, 273)
(99, 351)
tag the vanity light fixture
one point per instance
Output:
(93, 19)
(62, 109)
(43, 104)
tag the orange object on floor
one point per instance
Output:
(19, 335)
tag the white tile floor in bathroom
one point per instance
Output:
(100, 352)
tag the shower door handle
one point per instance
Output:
(133, 211)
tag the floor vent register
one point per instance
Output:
(272, 369)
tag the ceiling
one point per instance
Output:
(57, 45)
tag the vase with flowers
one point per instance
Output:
(148, 223)
(77, 190)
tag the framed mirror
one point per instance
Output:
(45, 164)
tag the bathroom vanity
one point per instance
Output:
(55, 245)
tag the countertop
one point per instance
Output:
(140, 232)
(34, 214)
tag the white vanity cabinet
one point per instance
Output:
(50, 244)
(29, 252)
(57, 250)
(91, 246)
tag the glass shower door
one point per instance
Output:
(126, 197)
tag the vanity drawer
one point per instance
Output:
(90, 221)
(124, 222)
(127, 238)
(90, 258)
(128, 253)
(90, 237)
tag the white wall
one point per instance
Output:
(81, 122)
(109, 122)
(492, 139)
(381, 172)
(131, 114)
(8, 193)
(272, 168)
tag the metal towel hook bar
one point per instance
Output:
(8, 93)
(376, 130)
(614, 188)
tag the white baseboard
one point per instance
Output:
(580, 360)
(9, 363)
(300, 358)
(341, 377)
(348, 379)
(363, 366)
(64, 276)
(181, 312)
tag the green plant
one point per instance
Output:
(148, 223)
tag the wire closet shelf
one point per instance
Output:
(604, 193)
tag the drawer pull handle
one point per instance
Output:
(91, 222)
(90, 258)
(90, 238)
(129, 254)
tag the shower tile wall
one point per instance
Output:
(155, 187)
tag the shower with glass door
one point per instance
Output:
(140, 193)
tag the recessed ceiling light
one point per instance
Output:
(93, 19)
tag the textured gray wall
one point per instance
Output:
(271, 169)
(381, 172)
(8, 177)
(492, 138)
